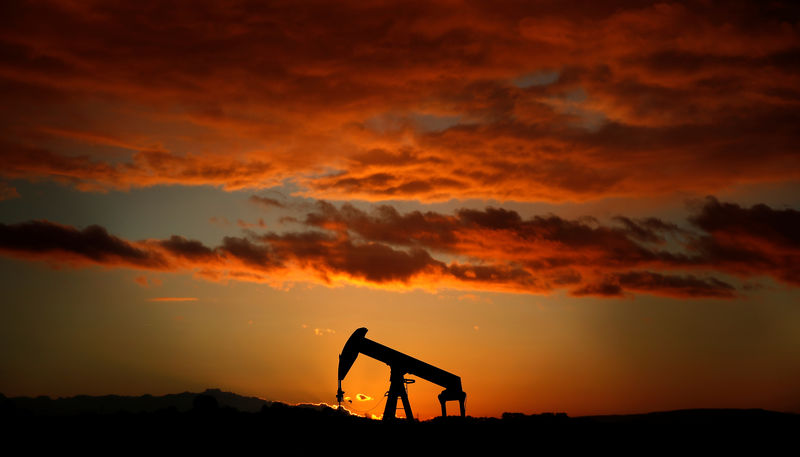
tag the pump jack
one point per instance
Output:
(400, 365)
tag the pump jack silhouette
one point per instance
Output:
(400, 365)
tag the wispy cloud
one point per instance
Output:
(160, 299)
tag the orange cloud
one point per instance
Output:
(426, 101)
(493, 249)
(144, 281)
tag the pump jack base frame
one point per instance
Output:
(397, 390)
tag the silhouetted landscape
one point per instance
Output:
(216, 418)
(540, 209)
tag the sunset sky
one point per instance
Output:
(588, 207)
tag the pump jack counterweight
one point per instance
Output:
(400, 365)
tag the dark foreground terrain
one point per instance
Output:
(221, 422)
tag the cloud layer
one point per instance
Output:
(402, 100)
(492, 249)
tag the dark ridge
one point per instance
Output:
(698, 417)
(194, 421)
(112, 404)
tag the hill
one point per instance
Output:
(216, 418)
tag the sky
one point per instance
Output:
(591, 208)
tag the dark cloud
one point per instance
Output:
(491, 249)
(602, 289)
(501, 275)
(547, 252)
(491, 218)
(681, 286)
(374, 262)
(749, 241)
(649, 230)
(43, 239)
(266, 202)
(386, 224)
(779, 228)
(248, 252)
(190, 249)
(649, 282)
(380, 263)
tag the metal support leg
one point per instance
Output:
(406, 404)
(397, 389)
(450, 395)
